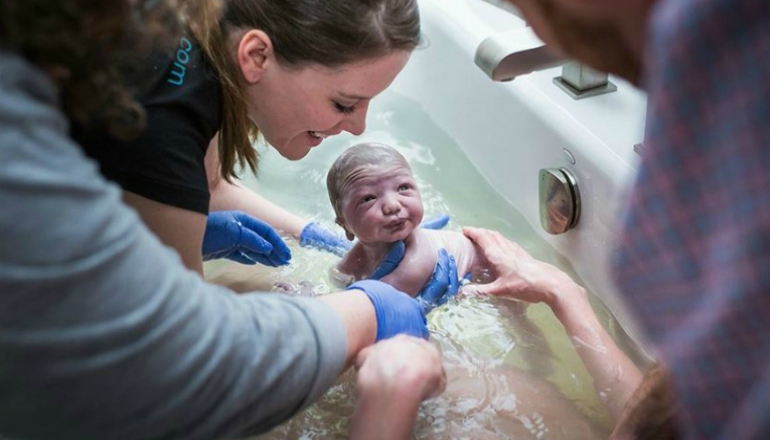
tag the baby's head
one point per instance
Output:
(374, 194)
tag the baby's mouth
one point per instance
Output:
(396, 224)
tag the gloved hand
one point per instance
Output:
(397, 312)
(437, 222)
(318, 236)
(390, 262)
(443, 284)
(239, 237)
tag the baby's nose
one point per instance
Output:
(391, 206)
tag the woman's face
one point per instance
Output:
(295, 109)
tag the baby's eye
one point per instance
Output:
(365, 199)
(404, 187)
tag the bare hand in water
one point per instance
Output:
(517, 274)
(401, 362)
(394, 376)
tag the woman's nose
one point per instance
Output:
(355, 123)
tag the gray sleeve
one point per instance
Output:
(103, 333)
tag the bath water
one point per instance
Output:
(511, 355)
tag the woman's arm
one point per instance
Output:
(232, 196)
(522, 277)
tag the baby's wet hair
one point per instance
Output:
(352, 162)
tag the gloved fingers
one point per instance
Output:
(267, 234)
(240, 257)
(443, 284)
(454, 283)
(344, 246)
(390, 262)
(318, 236)
(261, 250)
(254, 242)
(436, 222)
(339, 248)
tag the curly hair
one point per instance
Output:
(87, 48)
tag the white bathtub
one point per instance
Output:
(512, 130)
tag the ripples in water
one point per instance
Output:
(498, 384)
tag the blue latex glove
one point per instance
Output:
(443, 284)
(319, 236)
(390, 262)
(437, 222)
(397, 312)
(239, 237)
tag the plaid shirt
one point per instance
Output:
(694, 257)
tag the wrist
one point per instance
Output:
(569, 300)
(358, 315)
(389, 411)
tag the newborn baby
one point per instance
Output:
(376, 200)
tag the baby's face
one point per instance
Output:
(382, 204)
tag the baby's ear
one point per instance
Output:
(341, 223)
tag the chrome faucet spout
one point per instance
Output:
(506, 55)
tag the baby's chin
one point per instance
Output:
(402, 235)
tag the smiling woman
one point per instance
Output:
(235, 74)
(298, 108)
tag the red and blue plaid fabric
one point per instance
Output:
(694, 257)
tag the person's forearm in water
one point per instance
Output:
(615, 375)
(522, 277)
(394, 376)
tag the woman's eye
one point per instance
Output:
(342, 109)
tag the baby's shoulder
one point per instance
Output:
(353, 264)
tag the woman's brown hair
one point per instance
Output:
(303, 33)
